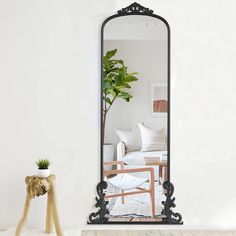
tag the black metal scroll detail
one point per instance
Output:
(135, 8)
(171, 217)
(100, 216)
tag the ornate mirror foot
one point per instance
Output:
(100, 216)
(171, 217)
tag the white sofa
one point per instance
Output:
(136, 159)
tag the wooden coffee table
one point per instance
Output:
(163, 165)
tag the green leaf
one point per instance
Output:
(126, 96)
(118, 80)
(106, 91)
(111, 53)
(120, 62)
(116, 91)
(108, 100)
(107, 83)
(126, 85)
(130, 78)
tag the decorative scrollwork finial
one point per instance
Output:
(135, 8)
(171, 217)
(100, 216)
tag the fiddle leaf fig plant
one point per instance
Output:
(116, 83)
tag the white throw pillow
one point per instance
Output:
(152, 139)
(131, 138)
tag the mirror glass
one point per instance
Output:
(135, 115)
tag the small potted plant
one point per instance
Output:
(43, 168)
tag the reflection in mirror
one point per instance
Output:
(135, 117)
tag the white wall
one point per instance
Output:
(49, 57)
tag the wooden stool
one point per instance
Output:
(39, 186)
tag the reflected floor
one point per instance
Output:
(137, 207)
(133, 219)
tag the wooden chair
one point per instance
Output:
(138, 190)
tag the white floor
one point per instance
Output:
(160, 233)
(34, 232)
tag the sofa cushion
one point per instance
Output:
(137, 157)
(152, 139)
(131, 139)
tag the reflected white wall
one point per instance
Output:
(149, 59)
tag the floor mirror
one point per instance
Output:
(135, 186)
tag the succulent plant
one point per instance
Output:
(43, 164)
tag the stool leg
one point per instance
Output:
(22, 221)
(52, 197)
(49, 220)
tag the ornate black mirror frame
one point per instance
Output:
(99, 217)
